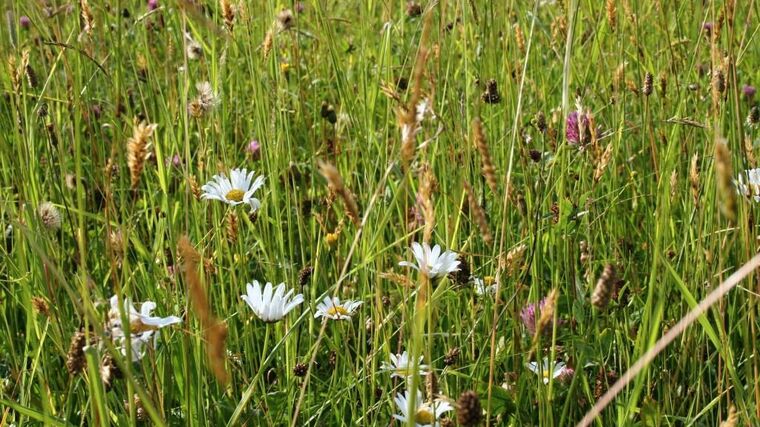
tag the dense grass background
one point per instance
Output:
(63, 139)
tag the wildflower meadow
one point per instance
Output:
(379, 213)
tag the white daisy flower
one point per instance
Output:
(333, 309)
(401, 366)
(142, 325)
(560, 369)
(752, 186)
(235, 190)
(272, 304)
(432, 262)
(139, 321)
(425, 413)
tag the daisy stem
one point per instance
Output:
(417, 333)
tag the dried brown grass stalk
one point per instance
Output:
(489, 171)
(478, 214)
(215, 332)
(668, 338)
(137, 150)
(335, 181)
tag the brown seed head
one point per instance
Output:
(469, 411)
(601, 296)
(137, 150)
(489, 171)
(75, 359)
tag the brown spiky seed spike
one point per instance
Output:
(603, 162)
(41, 306)
(452, 356)
(663, 83)
(479, 215)
(547, 312)
(519, 38)
(137, 150)
(694, 178)
(75, 360)
(611, 14)
(194, 187)
(140, 411)
(335, 181)
(733, 418)
(428, 184)
(304, 276)
(489, 171)
(724, 175)
(753, 118)
(601, 296)
(469, 411)
(300, 369)
(431, 385)
(88, 18)
(228, 13)
(232, 227)
(266, 46)
(648, 85)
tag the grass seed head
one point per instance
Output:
(75, 360)
(469, 410)
(601, 296)
(648, 85)
(137, 150)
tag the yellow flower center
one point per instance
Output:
(337, 309)
(489, 280)
(235, 195)
(424, 415)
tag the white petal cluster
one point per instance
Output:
(401, 366)
(425, 413)
(750, 187)
(332, 308)
(431, 262)
(142, 326)
(235, 190)
(271, 304)
(545, 372)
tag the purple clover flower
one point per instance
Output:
(253, 149)
(530, 315)
(577, 128)
(749, 92)
(25, 22)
